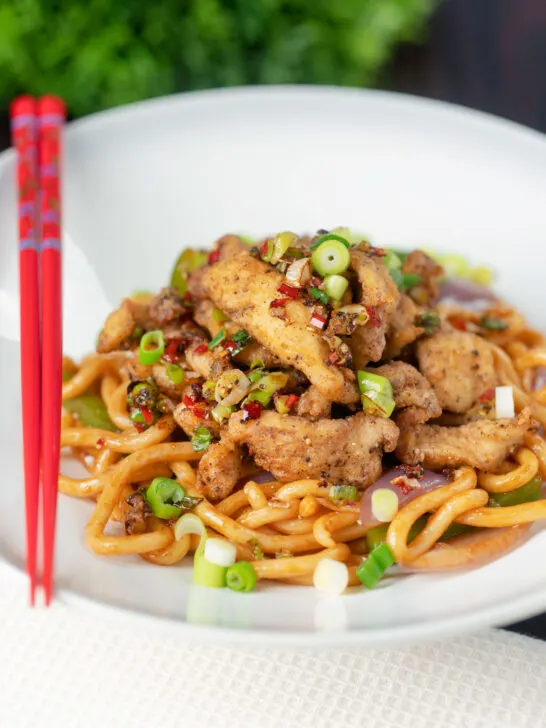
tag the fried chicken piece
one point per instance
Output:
(313, 405)
(340, 451)
(121, 323)
(244, 288)
(220, 468)
(209, 363)
(379, 292)
(460, 367)
(484, 444)
(137, 515)
(227, 246)
(251, 353)
(402, 330)
(416, 401)
(429, 271)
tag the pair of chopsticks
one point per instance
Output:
(36, 135)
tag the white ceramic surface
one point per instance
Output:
(144, 181)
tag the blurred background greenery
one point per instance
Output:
(100, 53)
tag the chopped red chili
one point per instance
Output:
(201, 349)
(171, 351)
(487, 396)
(200, 411)
(101, 442)
(214, 257)
(287, 290)
(279, 302)
(264, 247)
(148, 415)
(318, 321)
(139, 426)
(374, 316)
(458, 323)
(292, 401)
(230, 345)
(253, 410)
(188, 401)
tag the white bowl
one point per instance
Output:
(144, 181)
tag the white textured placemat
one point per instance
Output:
(70, 667)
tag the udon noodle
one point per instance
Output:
(285, 529)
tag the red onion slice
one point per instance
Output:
(471, 295)
(429, 481)
(540, 378)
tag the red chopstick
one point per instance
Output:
(51, 117)
(24, 137)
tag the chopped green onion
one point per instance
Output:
(241, 577)
(343, 493)
(208, 389)
(385, 503)
(269, 251)
(241, 338)
(206, 573)
(90, 410)
(377, 394)
(190, 523)
(335, 286)
(330, 236)
(257, 552)
(222, 412)
(321, 296)
(165, 496)
(331, 256)
(378, 534)
(281, 243)
(201, 439)
(429, 321)
(188, 261)
(219, 316)
(264, 398)
(331, 577)
(401, 254)
(531, 491)
(152, 347)
(409, 280)
(392, 260)
(255, 375)
(371, 571)
(220, 336)
(493, 324)
(220, 552)
(175, 373)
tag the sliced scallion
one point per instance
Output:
(220, 336)
(152, 347)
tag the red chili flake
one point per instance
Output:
(188, 297)
(405, 484)
(230, 345)
(487, 396)
(332, 359)
(188, 401)
(318, 321)
(171, 351)
(101, 442)
(264, 247)
(458, 323)
(279, 302)
(147, 414)
(253, 410)
(139, 426)
(200, 411)
(292, 401)
(288, 290)
(214, 257)
(201, 349)
(374, 317)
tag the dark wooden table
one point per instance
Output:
(486, 54)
